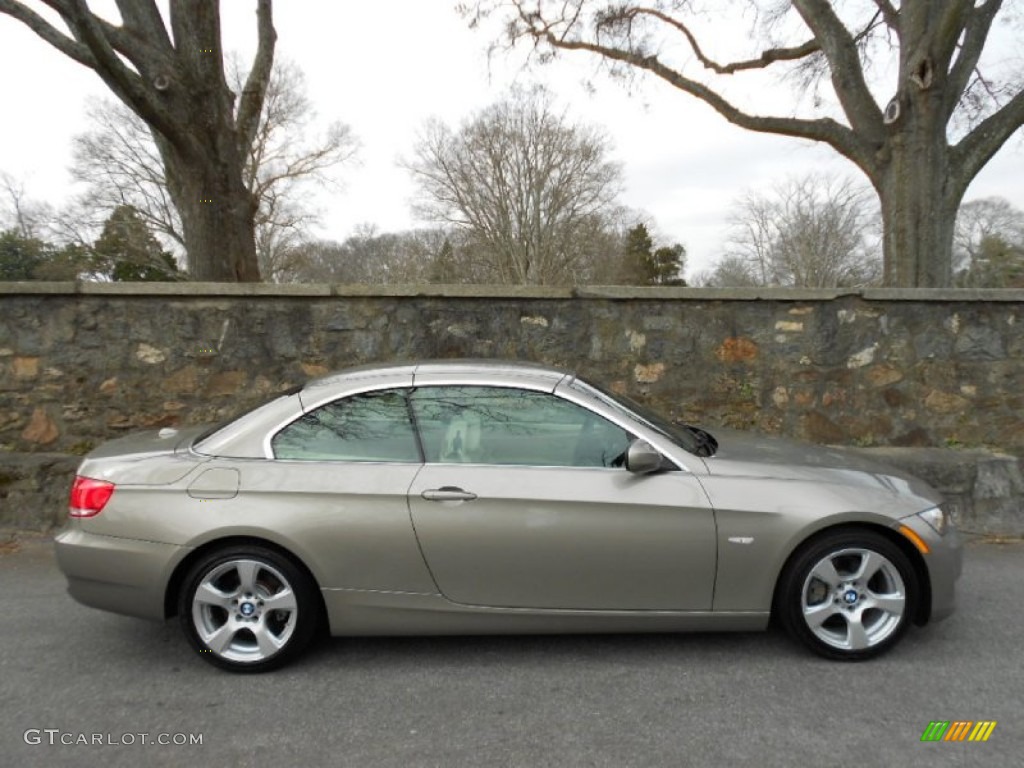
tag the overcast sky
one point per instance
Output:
(385, 67)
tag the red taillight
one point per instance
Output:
(89, 496)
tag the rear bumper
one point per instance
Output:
(121, 575)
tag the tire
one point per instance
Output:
(247, 608)
(848, 595)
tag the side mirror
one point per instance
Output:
(642, 458)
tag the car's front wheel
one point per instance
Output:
(848, 595)
(248, 608)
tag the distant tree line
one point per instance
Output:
(452, 256)
(988, 245)
(518, 194)
(125, 250)
(812, 232)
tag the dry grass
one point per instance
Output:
(9, 545)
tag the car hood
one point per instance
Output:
(742, 454)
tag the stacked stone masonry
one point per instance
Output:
(83, 363)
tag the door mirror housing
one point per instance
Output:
(642, 458)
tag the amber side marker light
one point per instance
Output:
(915, 539)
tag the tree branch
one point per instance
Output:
(767, 57)
(198, 48)
(143, 39)
(143, 18)
(840, 49)
(306, 165)
(977, 148)
(826, 130)
(135, 47)
(49, 33)
(889, 14)
(251, 103)
(975, 32)
(127, 84)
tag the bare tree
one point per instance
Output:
(19, 212)
(284, 159)
(920, 143)
(370, 256)
(121, 164)
(812, 232)
(525, 183)
(988, 244)
(171, 74)
(730, 271)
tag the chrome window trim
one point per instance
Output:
(548, 467)
(268, 452)
(497, 382)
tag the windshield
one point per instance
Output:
(693, 440)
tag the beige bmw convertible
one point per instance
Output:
(472, 497)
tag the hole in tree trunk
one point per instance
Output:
(922, 76)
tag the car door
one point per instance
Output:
(337, 487)
(523, 502)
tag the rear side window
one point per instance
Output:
(370, 427)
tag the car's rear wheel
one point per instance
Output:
(848, 595)
(248, 608)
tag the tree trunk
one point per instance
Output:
(919, 205)
(205, 181)
(917, 179)
(168, 68)
(217, 219)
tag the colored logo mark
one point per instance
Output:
(958, 730)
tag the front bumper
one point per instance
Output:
(944, 562)
(126, 576)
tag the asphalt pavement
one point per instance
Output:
(79, 687)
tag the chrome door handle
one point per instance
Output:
(448, 493)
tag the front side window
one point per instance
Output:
(496, 425)
(684, 436)
(374, 426)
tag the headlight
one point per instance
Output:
(937, 518)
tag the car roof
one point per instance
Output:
(244, 437)
(441, 367)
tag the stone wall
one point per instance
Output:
(34, 489)
(82, 363)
